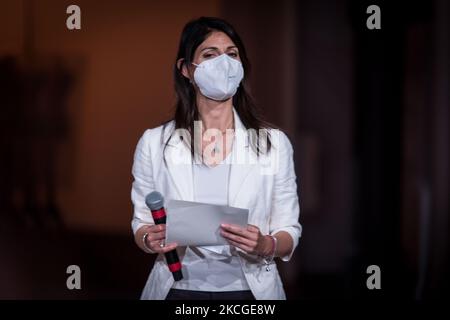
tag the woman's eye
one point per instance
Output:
(208, 55)
(233, 54)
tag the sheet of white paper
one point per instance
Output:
(198, 224)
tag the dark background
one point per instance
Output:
(366, 110)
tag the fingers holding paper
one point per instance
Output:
(157, 247)
(155, 239)
(247, 238)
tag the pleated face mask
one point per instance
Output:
(219, 78)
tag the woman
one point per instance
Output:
(217, 150)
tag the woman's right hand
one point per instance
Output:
(155, 238)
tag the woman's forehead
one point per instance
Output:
(217, 39)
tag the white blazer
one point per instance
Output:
(265, 185)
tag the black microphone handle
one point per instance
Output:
(171, 257)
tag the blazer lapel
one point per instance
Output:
(243, 163)
(179, 165)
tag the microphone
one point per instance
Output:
(155, 202)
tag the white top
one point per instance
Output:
(211, 268)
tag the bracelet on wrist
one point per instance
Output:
(144, 242)
(269, 258)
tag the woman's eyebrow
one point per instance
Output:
(209, 48)
(215, 48)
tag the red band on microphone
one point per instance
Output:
(158, 214)
(175, 266)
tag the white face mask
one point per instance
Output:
(219, 78)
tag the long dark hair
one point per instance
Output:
(186, 111)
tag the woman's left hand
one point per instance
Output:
(248, 239)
